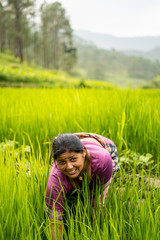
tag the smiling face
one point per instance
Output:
(71, 163)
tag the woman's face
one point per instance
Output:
(71, 163)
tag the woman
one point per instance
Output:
(74, 155)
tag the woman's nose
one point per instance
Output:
(69, 165)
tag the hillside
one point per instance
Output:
(153, 54)
(114, 66)
(96, 68)
(14, 74)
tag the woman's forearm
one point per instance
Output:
(105, 191)
(59, 227)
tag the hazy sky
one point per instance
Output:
(116, 17)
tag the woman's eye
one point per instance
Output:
(62, 162)
(73, 159)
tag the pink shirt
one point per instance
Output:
(101, 166)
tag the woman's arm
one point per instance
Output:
(56, 224)
(59, 229)
(105, 191)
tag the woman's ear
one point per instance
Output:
(84, 152)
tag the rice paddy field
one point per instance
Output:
(30, 118)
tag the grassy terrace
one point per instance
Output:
(131, 209)
(14, 74)
(129, 117)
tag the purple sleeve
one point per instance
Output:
(55, 193)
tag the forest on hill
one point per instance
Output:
(97, 63)
(50, 43)
(47, 42)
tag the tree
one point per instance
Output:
(2, 28)
(58, 50)
(19, 12)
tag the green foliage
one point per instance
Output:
(16, 25)
(131, 209)
(100, 63)
(131, 160)
(48, 44)
(34, 116)
(21, 75)
(155, 83)
(129, 117)
(58, 49)
(12, 149)
(82, 84)
(9, 146)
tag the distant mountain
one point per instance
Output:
(105, 41)
(153, 54)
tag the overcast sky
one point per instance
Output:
(116, 17)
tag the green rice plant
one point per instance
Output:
(131, 209)
(129, 117)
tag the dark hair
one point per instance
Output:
(66, 142)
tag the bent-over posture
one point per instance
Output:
(74, 155)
